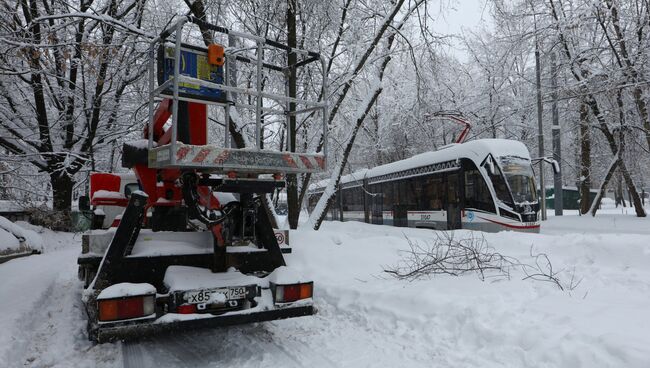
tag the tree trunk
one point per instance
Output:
(347, 86)
(61, 191)
(634, 194)
(579, 74)
(631, 187)
(643, 112)
(325, 201)
(618, 194)
(601, 192)
(293, 202)
(318, 215)
(585, 159)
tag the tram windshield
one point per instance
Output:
(519, 175)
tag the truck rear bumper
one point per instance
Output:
(135, 329)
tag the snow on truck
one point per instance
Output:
(193, 245)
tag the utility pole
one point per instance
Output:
(557, 143)
(540, 136)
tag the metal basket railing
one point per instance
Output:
(171, 89)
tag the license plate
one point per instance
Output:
(215, 295)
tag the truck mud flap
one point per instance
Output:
(137, 330)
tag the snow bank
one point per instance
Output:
(42, 319)
(367, 319)
(8, 241)
(9, 230)
(472, 323)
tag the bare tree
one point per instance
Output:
(318, 215)
(67, 71)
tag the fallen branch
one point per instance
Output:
(447, 255)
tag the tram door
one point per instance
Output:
(453, 202)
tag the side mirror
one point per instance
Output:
(84, 203)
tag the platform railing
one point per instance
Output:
(307, 106)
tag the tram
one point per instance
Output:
(485, 184)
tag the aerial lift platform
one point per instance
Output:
(195, 247)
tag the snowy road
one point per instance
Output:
(335, 337)
(366, 319)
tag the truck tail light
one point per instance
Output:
(293, 292)
(126, 308)
(186, 309)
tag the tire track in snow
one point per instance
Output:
(52, 332)
(19, 352)
(242, 346)
(368, 334)
(288, 346)
(336, 337)
(133, 355)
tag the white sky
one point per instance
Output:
(457, 15)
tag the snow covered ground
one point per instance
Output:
(368, 319)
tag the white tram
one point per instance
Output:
(485, 184)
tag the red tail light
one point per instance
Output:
(293, 292)
(126, 308)
(186, 309)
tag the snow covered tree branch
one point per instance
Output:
(67, 73)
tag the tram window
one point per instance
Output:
(412, 194)
(452, 185)
(374, 189)
(418, 190)
(374, 196)
(389, 193)
(399, 189)
(348, 199)
(334, 207)
(477, 194)
(500, 186)
(313, 200)
(357, 199)
(344, 199)
(434, 193)
(352, 200)
(404, 195)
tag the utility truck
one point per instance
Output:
(194, 246)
